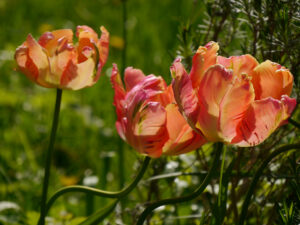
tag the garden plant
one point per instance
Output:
(150, 112)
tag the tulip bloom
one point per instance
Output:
(54, 62)
(234, 100)
(148, 117)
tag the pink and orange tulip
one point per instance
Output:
(55, 62)
(233, 100)
(148, 117)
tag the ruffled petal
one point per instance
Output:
(233, 107)
(119, 91)
(103, 48)
(243, 64)
(50, 40)
(184, 93)
(33, 61)
(69, 73)
(202, 60)
(260, 120)
(289, 104)
(26, 64)
(87, 39)
(63, 66)
(150, 130)
(212, 89)
(182, 138)
(84, 76)
(148, 89)
(132, 77)
(271, 80)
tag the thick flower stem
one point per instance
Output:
(101, 193)
(49, 156)
(257, 175)
(189, 197)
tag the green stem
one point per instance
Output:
(221, 176)
(101, 193)
(189, 197)
(257, 175)
(295, 123)
(49, 156)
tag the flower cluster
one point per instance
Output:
(234, 100)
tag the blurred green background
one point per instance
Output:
(87, 142)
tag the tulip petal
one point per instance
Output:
(87, 37)
(260, 120)
(26, 64)
(233, 107)
(63, 66)
(215, 84)
(37, 54)
(202, 60)
(33, 61)
(150, 129)
(132, 77)
(182, 138)
(289, 104)
(150, 119)
(84, 76)
(184, 93)
(103, 48)
(69, 73)
(243, 64)
(50, 40)
(271, 80)
(119, 90)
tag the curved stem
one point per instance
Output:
(295, 123)
(189, 197)
(49, 156)
(101, 193)
(257, 175)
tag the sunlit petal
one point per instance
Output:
(184, 93)
(260, 120)
(204, 58)
(132, 77)
(182, 138)
(215, 83)
(233, 107)
(271, 80)
(243, 64)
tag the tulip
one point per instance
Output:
(55, 62)
(148, 117)
(234, 100)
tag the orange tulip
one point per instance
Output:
(54, 62)
(148, 117)
(233, 100)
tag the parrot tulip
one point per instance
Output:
(234, 100)
(55, 62)
(148, 117)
